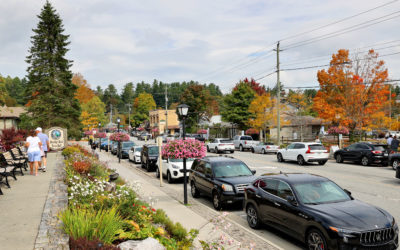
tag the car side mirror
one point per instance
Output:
(292, 200)
(253, 171)
(208, 176)
(347, 192)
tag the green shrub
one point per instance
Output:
(91, 224)
(69, 151)
(99, 171)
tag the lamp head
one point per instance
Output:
(118, 120)
(183, 110)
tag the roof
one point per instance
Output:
(294, 178)
(220, 159)
(307, 143)
(11, 112)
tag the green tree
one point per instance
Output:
(93, 110)
(111, 96)
(50, 90)
(15, 88)
(141, 107)
(235, 107)
(127, 96)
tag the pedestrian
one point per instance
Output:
(44, 139)
(317, 139)
(34, 145)
(395, 144)
(389, 140)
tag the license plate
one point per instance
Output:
(385, 154)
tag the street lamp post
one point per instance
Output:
(99, 137)
(119, 143)
(183, 111)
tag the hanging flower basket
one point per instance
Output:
(154, 130)
(100, 135)
(118, 136)
(252, 131)
(202, 131)
(338, 130)
(89, 132)
(179, 149)
(140, 129)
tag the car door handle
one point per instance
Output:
(258, 196)
(277, 204)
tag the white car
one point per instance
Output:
(134, 154)
(304, 152)
(221, 145)
(172, 169)
(265, 148)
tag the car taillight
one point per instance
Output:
(376, 152)
(308, 150)
(222, 144)
(268, 147)
(245, 142)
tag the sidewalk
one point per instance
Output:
(21, 207)
(193, 216)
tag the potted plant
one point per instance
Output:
(179, 149)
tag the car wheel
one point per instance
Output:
(279, 157)
(194, 191)
(364, 161)
(208, 149)
(300, 160)
(316, 240)
(232, 151)
(263, 151)
(217, 200)
(216, 150)
(322, 162)
(241, 148)
(252, 150)
(158, 173)
(147, 166)
(252, 217)
(395, 164)
(169, 177)
(339, 158)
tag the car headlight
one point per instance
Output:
(342, 230)
(175, 166)
(227, 187)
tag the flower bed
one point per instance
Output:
(102, 214)
(179, 149)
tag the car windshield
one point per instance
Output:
(231, 169)
(320, 192)
(246, 138)
(181, 160)
(128, 144)
(379, 148)
(153, 150)
(138, 149)
(226, 141)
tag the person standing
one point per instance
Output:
(389, 140)
(395, 144)
(33, 144)
(44, 139)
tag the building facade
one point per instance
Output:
(9, 116)
(158, 122)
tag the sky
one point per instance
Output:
(210, 41)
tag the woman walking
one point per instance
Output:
(34, 145)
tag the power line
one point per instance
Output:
(339, 85)
(343, 31)
(265, 76)
(339, 21)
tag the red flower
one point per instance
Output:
(153, 210)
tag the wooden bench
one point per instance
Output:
(17, 164)
(6, 170)
(18, 155)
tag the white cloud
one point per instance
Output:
(121, 41)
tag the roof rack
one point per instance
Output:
(227, 156)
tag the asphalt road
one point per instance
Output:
(374, 185)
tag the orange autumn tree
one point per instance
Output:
(84, 93)
(351, 92)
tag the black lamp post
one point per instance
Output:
(119, 143)
(99, 137)
(183, 112)
(88, 136)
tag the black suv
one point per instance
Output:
(125, 147)
(363, 152)
(221, 177)
(149, 156)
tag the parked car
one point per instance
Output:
(104, 145)
(198, 137)
(365, 153)
(134, 154)
(243, 142)
(304, 152)
(264, 148)
(221, 145)
(125, 147)
(318, 212)
(149, 156)
(173, 168)
(394, 160)
(114, 148)
(144, 136)
(220, 177)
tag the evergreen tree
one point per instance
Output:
(127, 95)
(50, 91)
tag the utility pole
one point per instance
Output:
(166, 110)
(111, 113)
(278, 84)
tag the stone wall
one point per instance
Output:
(50, 235)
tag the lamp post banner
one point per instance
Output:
(57, 138)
